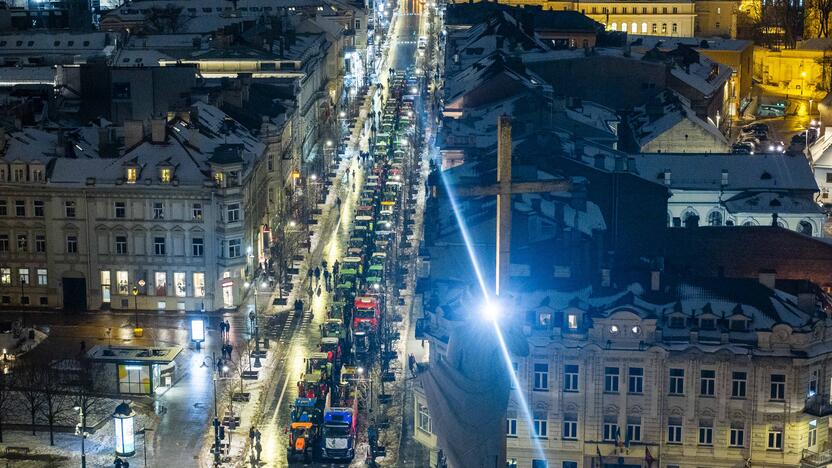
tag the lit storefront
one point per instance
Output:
(137, 370)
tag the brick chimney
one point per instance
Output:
(133, 132)
(158, 130)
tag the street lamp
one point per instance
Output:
(123, 418)
(137, 330)
(254, 327)
(79, 430)
(216, 422)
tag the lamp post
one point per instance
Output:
(143, 433)
(253, 317)
(79, 430)
(137, 330)
(216, 421)
(123, 417)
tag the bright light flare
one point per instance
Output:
(491, 309)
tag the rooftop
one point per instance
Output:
(761, 172)
(134, 354)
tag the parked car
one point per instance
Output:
(742, 148)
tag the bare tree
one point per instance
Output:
(7, 397)
(55, 396)
(817, 17)
(284, 245)
(87, 391)
(28, 382)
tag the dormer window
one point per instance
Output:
(740, 324)
(677, 322)
(572, 321)
(165, 175)
(37, 174)
(131, 174)
(219, 178)
(707, 324)
(19, 174)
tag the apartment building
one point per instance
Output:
(160, 224)
(676, 18)
(693, 374)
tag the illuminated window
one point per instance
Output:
(121, 282)
(165, 175)
(43, 278)
(179, 284)
(5, 276)
(24, 275)
(219, 178)
(131, 173)
(199, 284)
(161, 283)
(572, 321)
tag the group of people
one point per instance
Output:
(318, 272)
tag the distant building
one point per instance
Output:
(666, 18)
(716, 18)
(160, 224)
(706, 372)
(734, 53)
(737, 190)
(802, 71)
(666, 124)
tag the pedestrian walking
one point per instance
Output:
(317, 274)
(309, 275)
(259, 448)
(251, 433)
(335, 268)
(323, 265)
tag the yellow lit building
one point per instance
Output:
(795, 72)
(663, 18)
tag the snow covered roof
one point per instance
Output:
(669, 43)
(691, 171)
(768, 202)
(139, 58)
(189, 149)
(487, 68)
(662, 113)
(54, 43)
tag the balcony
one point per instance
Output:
(818, 405)
(812, 459)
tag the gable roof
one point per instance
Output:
(692, 171)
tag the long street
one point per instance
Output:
(304, 334)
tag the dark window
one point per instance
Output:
(20, 208)
(739, 381)
(121, 245)
(39, 208)
(121, 90)
(197, 246)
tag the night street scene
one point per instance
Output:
(415, 233)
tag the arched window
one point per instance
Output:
(644, 28)
(714, 218)
(690, 218)
(634, 28)
(614, 27)
(805, 227)
(624, 27)
(750, 222)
